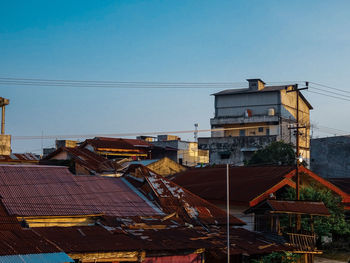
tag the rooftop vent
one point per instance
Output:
(256, 84)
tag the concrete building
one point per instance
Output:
(330, 157)
(187, 153)
(249, 119)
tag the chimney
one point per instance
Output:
(256, 84)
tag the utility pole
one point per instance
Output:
(3, 103)
(228, 210)
(297, 150)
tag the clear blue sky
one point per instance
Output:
(170, 41)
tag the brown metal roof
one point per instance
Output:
(25, 241)
(19, 157)
(174, 198)
(86, 158)
(104, 239)
(14, 240)
(29, 190)
(246, 183)
(291, 207)
(299, 207)
(117, 143)
(89, 239)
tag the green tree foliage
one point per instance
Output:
(335, 224)
(277, 257)
(277, 153)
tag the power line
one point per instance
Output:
(77, 136)
(332, 92)
(121, 134)
(326, 86)
(327, 95)
(116, 84)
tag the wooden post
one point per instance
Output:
(228, 211)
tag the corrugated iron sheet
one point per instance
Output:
(52, 190)
(86, 158)
(117, 143)
(174, 198)
(301, 207)
(89, 239)
(60, 257)
(19, 157)
(246, 183)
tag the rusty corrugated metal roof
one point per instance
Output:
(86, 158)
(174, 198)
(29, 190)
(105, 239)
(299, 207)
(27, 241)
(246, 183)
(19, 157)
(116, 143)
(291, 207)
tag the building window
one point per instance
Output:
(241, 132)
(261, 129)
(267, 131)
(225, 155)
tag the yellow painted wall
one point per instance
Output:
(166, 167)
(289, 101)
(61, 221)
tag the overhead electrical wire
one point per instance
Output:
(331, 92)
(326, 86)
(122, 134)
(132, 84)
(328, 95)
(117, 84)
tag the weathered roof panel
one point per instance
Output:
(84, 157)
(246, 183)
(52, 190)
(291, 207)
(299, 207)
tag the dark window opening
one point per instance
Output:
(261, 129)
(241, 132)
(225, 156)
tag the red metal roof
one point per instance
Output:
(246, 183)
(86, 158)
(29, 190)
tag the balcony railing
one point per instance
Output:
(301, 240)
